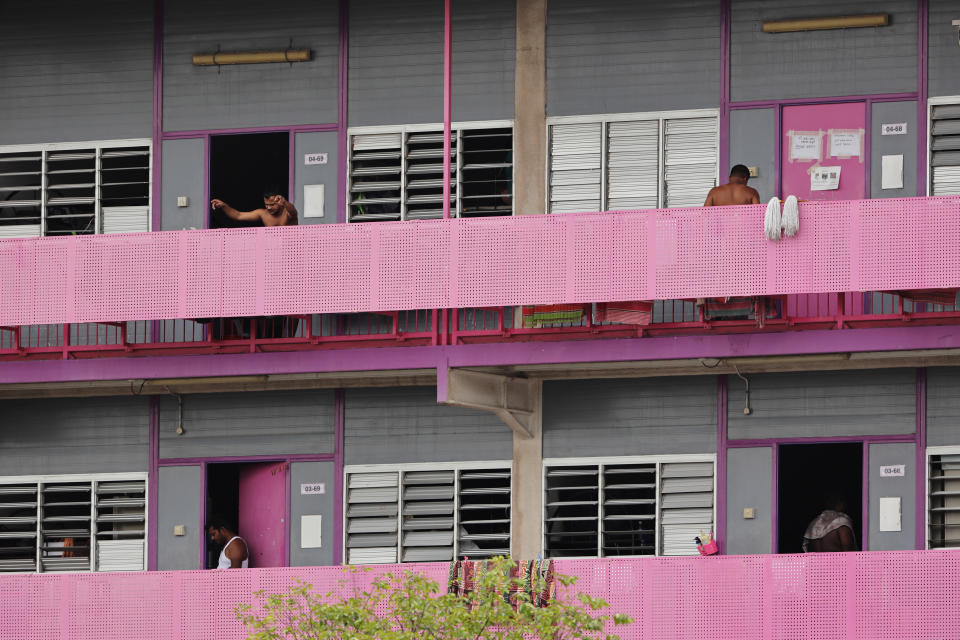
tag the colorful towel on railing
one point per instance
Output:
(738, 307)
(537, 316)
(946, 297)
(535, 580)
(637, 312)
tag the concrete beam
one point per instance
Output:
(530, 108)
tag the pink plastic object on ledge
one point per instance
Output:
(708, 549)
(662, 254)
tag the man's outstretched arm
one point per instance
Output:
(243, 216)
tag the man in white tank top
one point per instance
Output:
(234, 553)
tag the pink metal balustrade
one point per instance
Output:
(854, 596)
(461, 281)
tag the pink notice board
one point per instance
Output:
(262, 505)
(824, 135)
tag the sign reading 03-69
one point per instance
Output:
(312, 488)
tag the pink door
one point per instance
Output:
(261, 511)
(822, 139)
(824, 135)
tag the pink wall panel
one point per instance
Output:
(855, 596)
(858, 245)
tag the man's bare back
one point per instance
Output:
(731, 194)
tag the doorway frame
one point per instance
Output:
(204, 461)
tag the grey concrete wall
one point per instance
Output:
(753, 139)
(630, 417)
(325, 174)
(312, 504)
(484, 47)
(808, 64)
(182, 175)
(943, 406)
(405, 424)
(616, 56)
(905, 145)
(249, 95)
(749, 484)
(904, 488)
(824, 403)
(396, 61)
(75, 71)
(180, 496)
(943, 54)
(245, 424)
(74, 435)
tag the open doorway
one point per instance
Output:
(252, 497)
(807, 475)
(242, 167)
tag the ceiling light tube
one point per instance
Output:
(816, 24)
(251, 57)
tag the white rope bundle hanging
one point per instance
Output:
(771, 220)
(791, 216)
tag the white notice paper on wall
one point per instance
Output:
(313, 201)
(890, 514)
(825, 179)
(804, 145)
(845, 144)
(310, 532)
(891, 172)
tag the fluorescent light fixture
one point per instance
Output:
(817, 24)
(251, 57)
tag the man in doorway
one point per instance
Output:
(277, 211)
(233, 553)
(832, 530)
(735, 191)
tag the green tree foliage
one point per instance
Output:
(410, 606)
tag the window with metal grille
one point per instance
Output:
(71, 189)
(396, 173)
(627, 506)
(945, 148)
(632, 161)
(73, 523)
(943, 499)
(427, 513)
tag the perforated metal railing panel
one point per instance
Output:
(658, 254)
(855, 596)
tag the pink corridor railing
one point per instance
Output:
(855, 596)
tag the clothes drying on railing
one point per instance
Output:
(638, 312)
(738, 307)
(945, 297)
(534, 580)
(535, 317)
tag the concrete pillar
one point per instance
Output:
(529, 197)
(526, 504)
(530, 108)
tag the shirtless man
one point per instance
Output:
(277, 211)
(734, 192)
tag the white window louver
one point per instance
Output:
(73, 525)
(427, 516)
(626, 508)
(51, 190)
(631, 163)
(945, 150)
(943, 501)
(399, 175)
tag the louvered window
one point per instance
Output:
(632, 161)
(68, 190)
(945, 150)
(626, 507)
(427, 514)
(943, 501)
(73, 524)
(398, 174)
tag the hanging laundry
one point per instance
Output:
(772, 220)
(638, 312)
(738, 308)
(531, 580)
(791, 216)
(536, 316)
